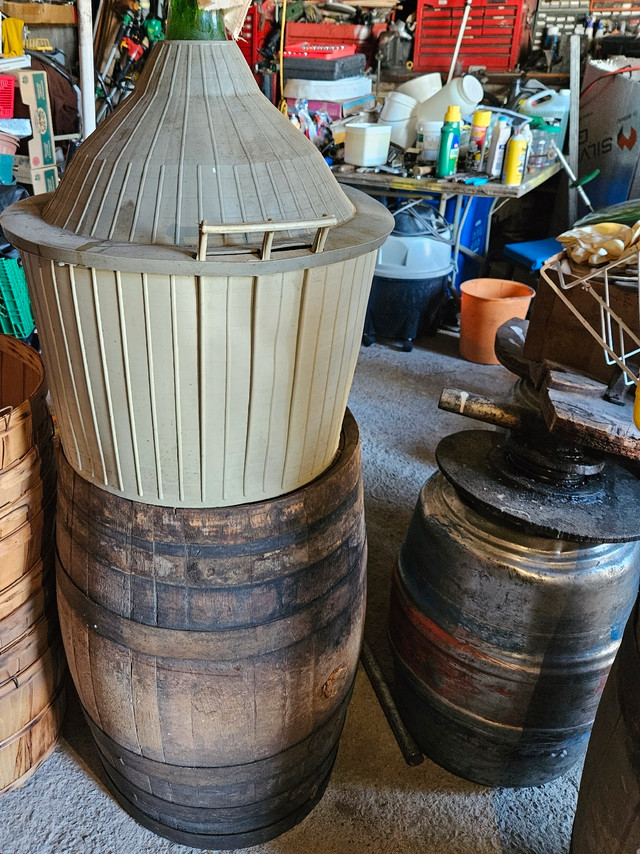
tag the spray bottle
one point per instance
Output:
(447, 162)
(497, 146)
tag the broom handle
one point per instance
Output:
(456, 50)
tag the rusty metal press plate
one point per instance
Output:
(606, 509)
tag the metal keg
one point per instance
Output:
(513, 586)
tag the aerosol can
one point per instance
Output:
(515, 159)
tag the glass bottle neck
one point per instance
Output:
(187, 21)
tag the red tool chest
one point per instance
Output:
(363, 36)
(497, 34)
(252, 35)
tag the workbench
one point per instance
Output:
(387, 184)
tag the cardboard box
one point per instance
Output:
(39, 168)
(41, 180)
(41, 13)
(34, 93)
(336, 109)
(610, 132)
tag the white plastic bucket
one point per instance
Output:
(366, 144)
(403, 133)
(428, 138)
(422, 87)
(398, 107)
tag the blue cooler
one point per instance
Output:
(409, 289)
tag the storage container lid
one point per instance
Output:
(196, 141)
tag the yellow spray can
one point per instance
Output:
(515, 159)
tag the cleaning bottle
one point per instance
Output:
(515, 159)
(447, 162)
(477, 140)
(495, 154)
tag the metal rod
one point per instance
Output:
(572, 176)
(574, 124)
(456, 50)
(508, 415)
(85, 56)
(410, 750)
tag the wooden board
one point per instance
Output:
(573, 406)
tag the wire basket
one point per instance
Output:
(16, 317)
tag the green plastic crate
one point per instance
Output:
(16, 317)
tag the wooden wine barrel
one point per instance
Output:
(608, 813)
(214, 650)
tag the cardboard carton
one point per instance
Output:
(41, 180)
(38, 169)
(610, 131)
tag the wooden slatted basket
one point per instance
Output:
(32, 661)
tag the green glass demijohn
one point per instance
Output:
(186, 21)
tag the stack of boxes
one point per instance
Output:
(330, 78)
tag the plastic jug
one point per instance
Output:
(465, 92)
(550, 105)
(422, 87)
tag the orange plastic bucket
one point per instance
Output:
(485, 305)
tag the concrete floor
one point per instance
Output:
(375, 802)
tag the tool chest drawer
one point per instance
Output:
(495, 36)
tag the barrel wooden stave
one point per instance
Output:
(235, 785)
(259, 672)
(219, 695)
(272, 574)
